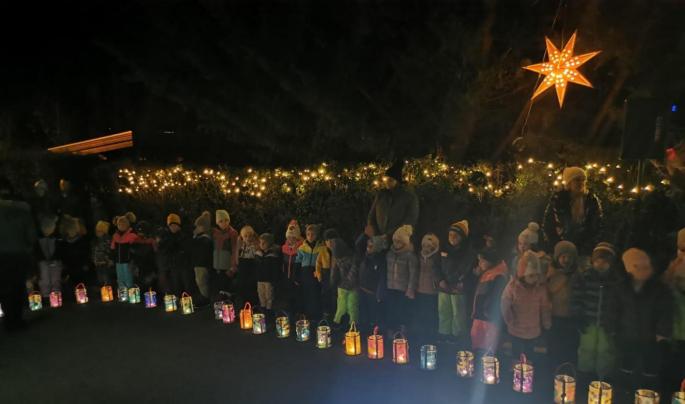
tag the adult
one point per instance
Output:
(394, 206)
(17, 239)
(573, 214)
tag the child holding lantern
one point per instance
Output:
(201, 253)
(563, 336)
(426, 315)
(287, 289)
(248, 245)
(305, 262)
(174, 251)
(224, 255)
(402, 279)
(344, 276)
(266, 270)
(122, 241)
(492, 275)
(372, 279)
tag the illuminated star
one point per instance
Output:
(561, 68)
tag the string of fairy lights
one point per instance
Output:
(497, 180)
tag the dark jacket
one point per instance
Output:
(344, 274)
(591, 295)
(201, 251)
(372, 269)
(488, 295)
(100, 251)
(392, 209)
(641, 316)
(456, 266)
(173, 251)
(75, 255)
(558, 218)
(267, 265)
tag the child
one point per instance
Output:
(49, 253)
(100, 253)
(143, 256)
(122, 241)
(266, 270)
(287, 289)
(426, 315)
(591, 295)
(402, 279)
(527, 240)
(345, 277)
(201, 253)
(563, 337)
(173, 251)
(492, 276)
(248, 244)
(74, 252)
(675, 280)
(372, 280)
(305, 265)
(525, 305)
(322, 272)
(225, 254)
(456, 262)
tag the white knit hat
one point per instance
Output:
(403, 234)
(571, 173)
(530, 233)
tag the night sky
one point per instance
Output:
(267, 82)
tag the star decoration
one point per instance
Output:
(561, 68)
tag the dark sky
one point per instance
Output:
(266, 82)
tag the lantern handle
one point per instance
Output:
(80, 286)
(224, 293)
(375, 330)
(184, 294)
(523, 359)
(323, 322)
(303, 317)
(285, 314)
(570, 366)
(247, 306)
(353, 327)
(400, 334)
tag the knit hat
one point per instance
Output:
(203, 223)
(633, 258)
(330, 234)
(491, 255)
(268, 238)
(395, 170)
(403, 234)
(293, 230)
(222, 215)
(571, 173)
(102, 227)
(432, 241)
(128, 217)
(565, 247)
(316, 228)
(378, 244)
(529, 264)
(48, 224)
(462, 228)
(530, 234)
(173, 219)
(681, 239)
(605, 251)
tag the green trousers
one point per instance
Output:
(452, 314)
(596, 352)
(348, 303)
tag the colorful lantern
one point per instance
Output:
(523, 376)
(323, 335)
(106, 294)
(150, 299)
(353, 341)
(170, 303)
(490, 369)
(35, 301)
(122, 295)
(187, 303)
(465, 363)
(134, 295)
(599, 393)
(374, 345)
(219, 306)
(302, 330)
(258, 323)
(246, 317)
(2, 314)
(283, 326)
(400, 349)
(81, 294)
(644, 396)
(564, 386)
(679, 396)
(227, 313)
(55, 299)
(429, 357)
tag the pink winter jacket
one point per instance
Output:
(526, 310)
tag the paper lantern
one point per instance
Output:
(429, 357)
(302, 330)
(106, 294)
(35, 301)
(246, 317)
(353, 342)
(323, 335)
(644, 396)
(374, 345)
(258, 323)
(283, 326)
(400, 349)
(122, 295)
(81, 294)
(523, 376)
(565, 386)
(56, 299)
(170, 303)
(2, 313)
(599, 393)
(219, 310)
(187, 303)
(490, 374)
(465, 363)
(134, 295)
(150, 298)
(227, 313)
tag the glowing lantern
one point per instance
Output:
(465, 363)
(150, 298)
(134, 295)
(106, 293)
(429, 357)
(35, 301)
(227, 313)
(353, 343)
(400, 349)
(323, 335)
(81, 294)
(679, 396)
(258, 323)
(122, 295)
(246, 317)
(302, 330)
(187, 303)
(599, 393)
(170, 303)
(219, 306)
(283, 326)
(644, 396)
(2, 314)
(564, 386)
(490, 369)
(523, 376)
(56, 299)
(374, 345)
